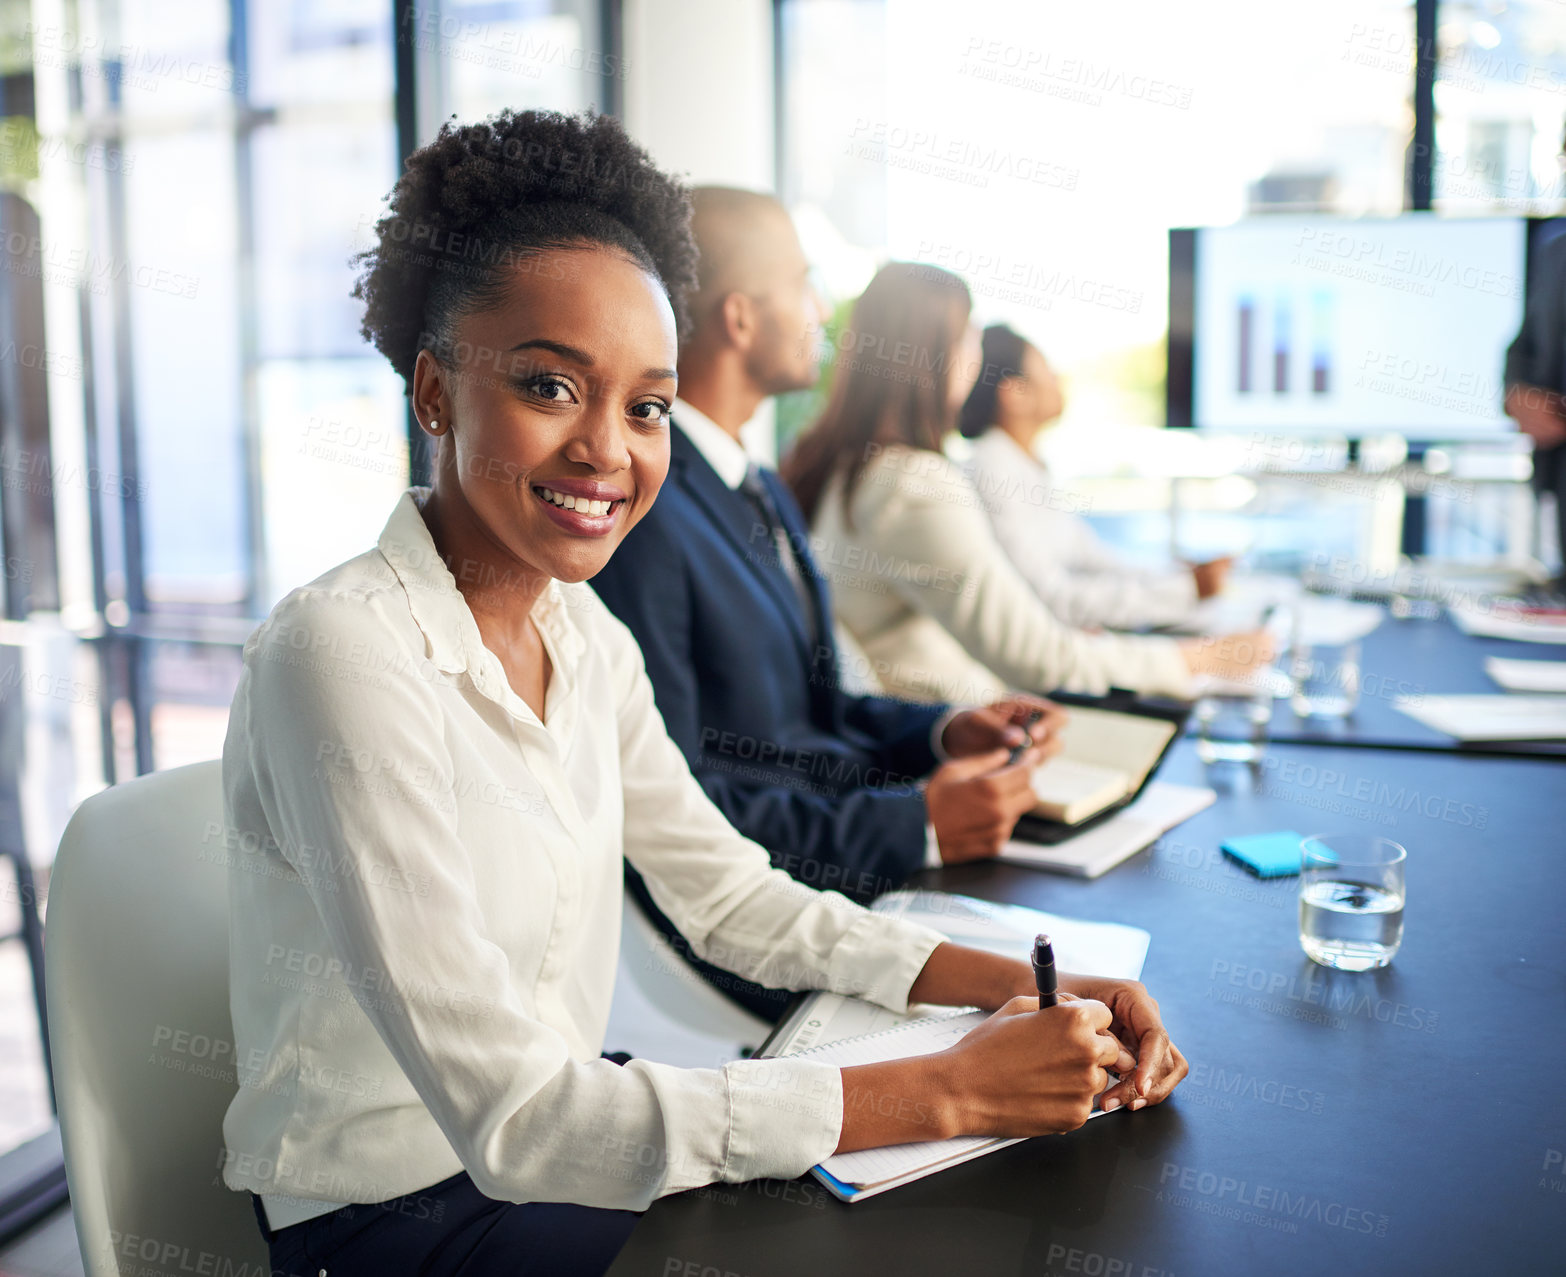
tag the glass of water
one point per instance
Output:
(1231, 725)
(1351, 900)
(1324, 679)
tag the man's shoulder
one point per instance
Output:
(1549, 262)
(674, 530)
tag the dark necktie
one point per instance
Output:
(755, 491)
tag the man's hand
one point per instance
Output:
(974, 802)
(1539, 413)
(1211, 576)
(1002, 726)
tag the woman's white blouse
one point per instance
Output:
(920, 581)
(426, 886)
(1079, 578)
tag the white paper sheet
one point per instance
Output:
(1490, 717)
(1099, 948)
(1329, 621)
(1103, 948)
(1527, 676)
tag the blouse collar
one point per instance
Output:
(451, 635)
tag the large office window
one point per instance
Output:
(248, 150)
(1064, 145)
(1500, 106)
(202, 176)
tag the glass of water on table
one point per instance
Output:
(1351, 900)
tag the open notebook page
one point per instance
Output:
(871, 1166)
(898, 1163)
(1126, 743)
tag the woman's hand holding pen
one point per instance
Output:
(1027, 1071)
(1138, 1047)
(1024, 1071)
(956, 975)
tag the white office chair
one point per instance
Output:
(136, 959)
(668, 982)
(136, 965)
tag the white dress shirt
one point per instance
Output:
(425, 895)
(724, 453)
(721, 450)
(920, 580)
(1079, 578)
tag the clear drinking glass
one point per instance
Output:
(1351, 900)
(1231, 725)
(1324, 679)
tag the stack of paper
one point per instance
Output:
(1103, 948)
(1101, 847)
(1509, 622)
(1097, 948)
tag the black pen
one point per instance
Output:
(1017, 751)
(1044, 971)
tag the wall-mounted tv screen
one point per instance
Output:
(1347, 326)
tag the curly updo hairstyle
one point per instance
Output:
(482, 199)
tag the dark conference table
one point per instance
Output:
(1418, 658)
(1411, 1120)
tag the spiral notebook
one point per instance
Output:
(855, 1176)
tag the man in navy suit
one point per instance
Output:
(1536, 373)
(718, 585)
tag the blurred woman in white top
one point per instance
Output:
(1015, 398)
(917, 574)
(442, 753)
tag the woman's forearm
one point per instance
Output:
(898, 1102)
(956, 976)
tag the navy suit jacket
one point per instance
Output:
(821, 779)
(1537, 357)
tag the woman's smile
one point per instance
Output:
(583, 507)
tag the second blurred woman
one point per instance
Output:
(1083, 581)
(918, 576)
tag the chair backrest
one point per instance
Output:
(136, 957)
(674, 988)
